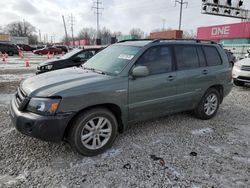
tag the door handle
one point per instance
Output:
(205, 72)
(171, 78)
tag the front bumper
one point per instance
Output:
(41, 71)
(241, 75)
(48, 128)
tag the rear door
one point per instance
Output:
(153, 95)
(192, 75)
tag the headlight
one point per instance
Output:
(236, 65)
(47, 67)
(43, 106)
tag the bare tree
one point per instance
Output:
(105, 35)
(22, 29)
(189, 34)
(117, 34)
(137, 32)
(88, 34)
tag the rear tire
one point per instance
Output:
(239, 83)
(93, 131)
(208, 105)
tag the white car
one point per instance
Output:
(241, 72)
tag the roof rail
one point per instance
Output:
(162, 39)
(128, 40)
(194, 40)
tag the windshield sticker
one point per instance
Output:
(126, 56)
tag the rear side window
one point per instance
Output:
(157, 59)
(201, 57)
(212, 55)
(186, 57)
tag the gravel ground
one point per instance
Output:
(174, 151)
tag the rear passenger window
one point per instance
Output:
(212, 55)
(186, 57)
(157, 59)
(201, 57)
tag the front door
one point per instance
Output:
(153, 95)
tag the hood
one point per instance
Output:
(245, 61)
(54, 82)
(50, 62)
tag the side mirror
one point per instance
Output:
(140, 71)
(77, 59)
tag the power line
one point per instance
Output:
(181, 6)
(97, 8)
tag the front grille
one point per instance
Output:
(21, 99)
(245, 68)
(244, 78)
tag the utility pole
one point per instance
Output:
(40, 36)
(163, 24)
(65, 29)
(181, 2)
(72, 23)
(97, 8)
(24, 28)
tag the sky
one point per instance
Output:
(117, 15)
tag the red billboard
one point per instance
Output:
(229, 31)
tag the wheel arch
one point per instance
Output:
(220, 89)
(115, 109)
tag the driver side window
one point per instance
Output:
(158, 60)
(86, 54)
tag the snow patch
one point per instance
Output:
(10, 180)
(111, 153)
(202, 131)
(5, 98)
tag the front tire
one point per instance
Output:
(93, 131)
(208, 105)
(238, 83)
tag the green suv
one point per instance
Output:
(127, 82)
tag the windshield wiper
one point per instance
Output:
(94, 70)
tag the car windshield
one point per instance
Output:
(112, 60)
(70, 54)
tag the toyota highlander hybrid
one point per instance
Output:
(127, 82)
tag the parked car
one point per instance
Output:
(74, 58)
(26, 47)
(247, 55)
(64, 48)
(47, 50)
(231, 57)
(10, 49)
(124, 83)
(241, 72)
